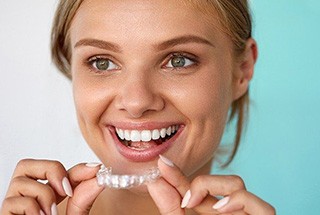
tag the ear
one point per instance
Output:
(244, 69)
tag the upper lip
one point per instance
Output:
(143, 125)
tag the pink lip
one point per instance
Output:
(143, 155)
(143, 125)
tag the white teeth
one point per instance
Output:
(169, 131)
(127, 135)
(120, 134)
(146, 135)
(135, 136)
(155, 134)
(173, 129)
(163, 132)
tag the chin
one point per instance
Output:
(140, 190)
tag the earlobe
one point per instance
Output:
(245, 69)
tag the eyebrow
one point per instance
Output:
(162, 46)
(183, 40)
(98, 44)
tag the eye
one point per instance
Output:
(102, 64)
(179, 61)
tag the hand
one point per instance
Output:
(167, 193)
(26, 195)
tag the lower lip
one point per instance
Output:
(143, 155)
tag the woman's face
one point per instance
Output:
(143, 68)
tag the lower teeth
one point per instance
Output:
(159, 141)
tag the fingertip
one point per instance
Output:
(166, 166)
(195, 198)
(244, 201)
(221, 203)
(54, 209)
(93, 164)
(82, 172)
(166, 161)
(56, 180)
(186, 199)
(67, 187)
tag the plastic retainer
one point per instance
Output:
(105, 178)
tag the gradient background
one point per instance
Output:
(280, 154)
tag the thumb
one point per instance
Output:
(166, 197)
(86, 190)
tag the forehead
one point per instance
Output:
(143, 20)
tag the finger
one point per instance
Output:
(86, 189)
(53, 171)
(23, 186)
(82, 172)
(173, 175)
(213, 185)
(20, 205)
(165, 197)
(245, 201)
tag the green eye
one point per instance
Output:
(179, 61)
(102, 64)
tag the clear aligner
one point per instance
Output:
(105, 178)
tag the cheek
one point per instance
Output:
(208, 98)
(209, 110)
(86, 100)
(91, 95)
(204, 101)
(91, 100)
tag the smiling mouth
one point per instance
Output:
(141, 140)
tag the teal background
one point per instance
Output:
(280, 155)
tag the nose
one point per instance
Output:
(138, 95)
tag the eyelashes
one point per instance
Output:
(174, 61)
(180, 61)
(100, 63)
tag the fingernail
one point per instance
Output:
(67, 187)
(93, 164)
(221, 203)
(42, 213)
(186, 199)
(54, 210)
(166, 161)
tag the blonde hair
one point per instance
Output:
(233, 15)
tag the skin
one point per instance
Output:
(132, 93)
(141, 88)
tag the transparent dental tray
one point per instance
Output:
(107, 179)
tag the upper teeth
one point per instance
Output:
(146, 135)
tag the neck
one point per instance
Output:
(138, 201)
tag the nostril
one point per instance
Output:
(138, 96)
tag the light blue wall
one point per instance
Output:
(280, 156)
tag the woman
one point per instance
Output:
(153, 83)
